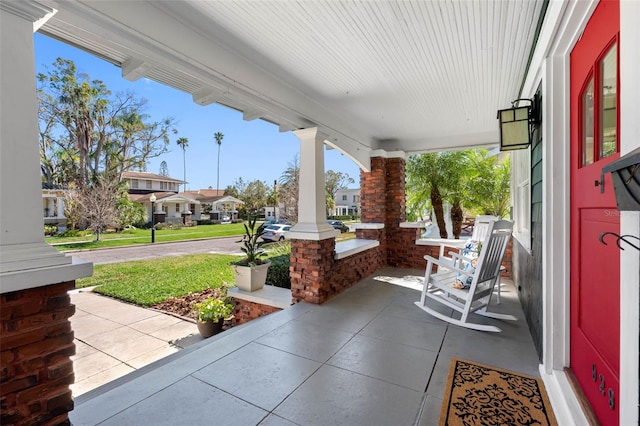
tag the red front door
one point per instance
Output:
(595, 268)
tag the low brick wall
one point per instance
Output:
(37, 343)
(246, 311)
(316, 276)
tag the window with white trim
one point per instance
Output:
(521, 196)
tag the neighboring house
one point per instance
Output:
(53, 206)
(170, 207)
(272, 212)
(146, 183)
(347, 202)
(213, 204)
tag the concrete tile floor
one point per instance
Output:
(364, 357)
(114, 338)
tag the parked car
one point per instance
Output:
(275, 232)
(338, 225)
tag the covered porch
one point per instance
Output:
(410, 77)
(366, 356)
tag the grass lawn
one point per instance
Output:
(150, 281)
(143, 236)
(146, 282)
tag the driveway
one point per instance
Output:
(225, 245)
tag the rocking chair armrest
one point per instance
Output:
(450, 267)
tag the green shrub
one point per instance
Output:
(278, 274)
(50, 230)
(73, 233)
(343, 217)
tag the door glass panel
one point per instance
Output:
(608, 105)
(587, 124)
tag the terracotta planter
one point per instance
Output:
(209, 328)
(251, 278)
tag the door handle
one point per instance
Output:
(600, 183)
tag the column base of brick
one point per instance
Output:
(36, 346)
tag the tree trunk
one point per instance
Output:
(438, 210)
(457, 217)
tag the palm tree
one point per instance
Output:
(289, 189)
(439, 176)
(184, 143)
(218, 136)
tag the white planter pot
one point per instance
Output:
(251, 278)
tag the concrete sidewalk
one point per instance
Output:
(115, 338)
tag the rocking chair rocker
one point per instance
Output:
(475, 283)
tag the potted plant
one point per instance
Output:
(211, 313)
(251, 271)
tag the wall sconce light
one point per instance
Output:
(625, 172)
(515, 131)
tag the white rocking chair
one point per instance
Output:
(480, 227)
(439, 285)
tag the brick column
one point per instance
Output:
(37, 343)
(311, 262)
(395, 193)
(372, 191)
(383, 201)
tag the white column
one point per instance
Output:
(60, 212)
(312, 217)
(26, 261)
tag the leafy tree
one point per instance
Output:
(273, 194)
(470, 179)
(254, 195)
(164, 169)
(86, 132)
(438, 177)
(330, 203)
(333, 182)
(489, 186)
(71, 102)
(128, 213)
(184, 143)
(73, 209)
(289, 189)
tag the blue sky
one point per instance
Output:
(250, 149)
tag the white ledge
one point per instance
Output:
(440, 242)
(369, 226)
(411, 224)
(268, 295)
(39, 277)
(351, 247)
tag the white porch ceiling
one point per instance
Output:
(403, 75)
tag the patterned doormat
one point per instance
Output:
(480, 395)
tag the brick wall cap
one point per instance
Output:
(419, 224)
(351, 247)
(449, 242)
(267, 295)
(368, 226)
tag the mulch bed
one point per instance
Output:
(183, 306)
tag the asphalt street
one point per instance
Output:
(226, 245)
